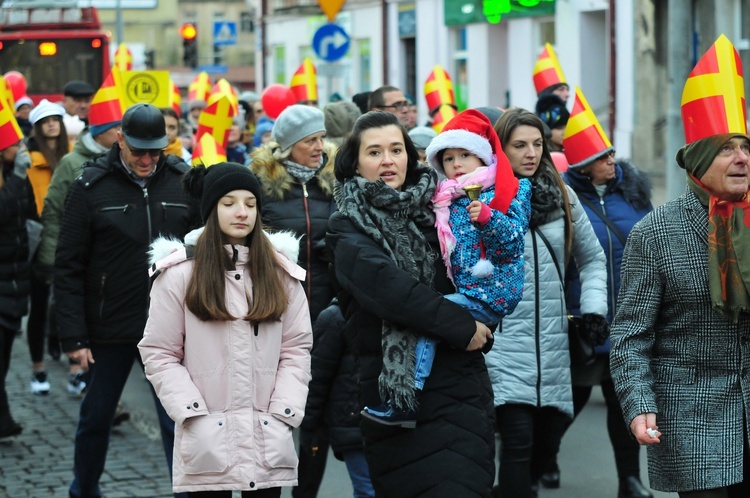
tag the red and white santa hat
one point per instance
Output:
(473, 131)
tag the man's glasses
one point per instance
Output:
(153, 153)
(398, 106)
(608, 155)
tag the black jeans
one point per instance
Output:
(261, 493)
(7, 337)
(529, 438)
(37, 324)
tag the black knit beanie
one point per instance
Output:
(209, 185)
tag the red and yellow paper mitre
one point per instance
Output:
(123, 58)
(200, 88)
(304, 83)
(547, 70)
(175, 99)
(223, 88)
(216, 120)
(10, 132)
(444, 114)
(713, 100)
(584, 139)
(438, 89)
(207, 152)
(107, 106)
(6, 93)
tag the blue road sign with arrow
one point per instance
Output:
(330, 42)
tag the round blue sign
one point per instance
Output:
(330, 42)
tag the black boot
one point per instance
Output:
(551, 477)
(9, 427)
(631, 487)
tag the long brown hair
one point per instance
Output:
(62, 145)
(206, 291)
(508, 122)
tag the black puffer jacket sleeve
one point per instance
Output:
(381, 288)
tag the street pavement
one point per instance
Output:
(39, 462)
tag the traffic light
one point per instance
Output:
(189, 45)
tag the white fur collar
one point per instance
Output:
(167, 251)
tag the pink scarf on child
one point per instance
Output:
(449, 190)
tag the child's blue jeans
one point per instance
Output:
(481, 311)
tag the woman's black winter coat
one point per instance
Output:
(332, 399)
(16, 206)
(451, 452)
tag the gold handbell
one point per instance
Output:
(472, 191)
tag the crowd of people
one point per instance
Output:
(398, 295)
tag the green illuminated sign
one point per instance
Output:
(462, 12)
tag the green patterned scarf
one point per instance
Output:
(728, 231)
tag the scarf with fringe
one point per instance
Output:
(394, 219)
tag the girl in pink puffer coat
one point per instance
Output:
(227, 343)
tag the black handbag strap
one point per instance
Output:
(604, 218)
(551, 252)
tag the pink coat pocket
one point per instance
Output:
(204, 447)
(276, 445)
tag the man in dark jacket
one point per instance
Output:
(119, 204)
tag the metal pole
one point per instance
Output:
(679, 65)
(120, 36)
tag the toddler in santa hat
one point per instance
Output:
(481, 241)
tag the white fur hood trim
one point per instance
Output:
(169, 251)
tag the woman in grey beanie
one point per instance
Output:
(295, 170)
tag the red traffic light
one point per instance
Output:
(188, 31)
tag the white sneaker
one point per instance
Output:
(76, 385)
(39, 383)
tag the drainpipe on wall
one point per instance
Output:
(612, 69)
(384, 35)
(262, 63)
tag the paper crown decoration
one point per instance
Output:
(207, 152)
(584, 139)
(438, 89)
(547, 70)
(713, 100)
(440, 118)
(175, 99)
(107, 105)
(216, 120)
(123, 58)
(200, 88)
(223, 88)
(304, 83)
(10, 132)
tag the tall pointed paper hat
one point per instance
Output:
(584, 139)
(123, 58)
(441, 117)
(107, 105)
(200, 88)
(6, 93)
(216, 120)
(10, 132)
(304, 83)
(207, 152)
(713, 100)
(223, 88)
(547, 70)
(175, 99)
(438, 89)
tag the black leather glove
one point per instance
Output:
(308, 441)
(597, 327)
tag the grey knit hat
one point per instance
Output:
(339, 120)
(422, 136)
(296, 123)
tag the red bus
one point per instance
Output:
(51, 43)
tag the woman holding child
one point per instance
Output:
(387, 260)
